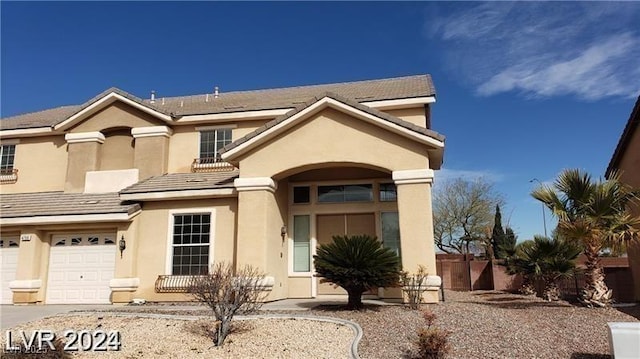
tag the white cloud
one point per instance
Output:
(590, 50)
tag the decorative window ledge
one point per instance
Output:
(8, 176)
(211, 164)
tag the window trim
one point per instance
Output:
(170, 222)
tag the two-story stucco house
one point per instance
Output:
(626, 160)
(121, 198)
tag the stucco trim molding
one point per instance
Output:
(400, 103)
(183, 194)
(255, 184)
(413, 176)
(73, 218)
(84, 137)
(25, 285)
(124, 284)
(151, 131)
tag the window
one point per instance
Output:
(301, 194)
(191, 244)
(7, 154)
(212, 141)
(391, 231)
(388, 192)
(301, 244)
(346, 193)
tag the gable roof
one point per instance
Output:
(239, 101)
(625, 139)
(246, 141)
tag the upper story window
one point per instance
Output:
(8, 174)
(211, 142)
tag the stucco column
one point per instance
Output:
(416, 225)
(83, 155)
(151, 154)
(32, 258)
(256, 204)
(125, 281)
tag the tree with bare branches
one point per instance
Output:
(463, 215)
(228, 292)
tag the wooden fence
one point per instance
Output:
(464, 273)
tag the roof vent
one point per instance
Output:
(153, 96)
(206, 99)
(91, 201)
(6, 206)
(216, 92)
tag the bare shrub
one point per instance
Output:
(414, 286)
(228, 292)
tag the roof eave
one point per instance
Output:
(625, 138)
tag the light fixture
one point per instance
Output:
(283, 232)
(122, 244)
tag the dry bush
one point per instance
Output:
(227, 293)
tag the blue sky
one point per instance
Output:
(523, 89)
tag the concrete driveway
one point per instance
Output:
(12, 315)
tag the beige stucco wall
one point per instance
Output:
(413, 115)
(153, 240)
(185, 142)
(630, 174)
(117, 150)
(41, 163)
(117, 114)
(332, 136)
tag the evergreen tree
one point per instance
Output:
(498, 236)
(508, 247)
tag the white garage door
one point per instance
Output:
(80, 268)
(8, 266)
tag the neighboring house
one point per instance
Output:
(626, 160)
(122, 198)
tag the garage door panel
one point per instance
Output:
(87, 267)
(8, 266)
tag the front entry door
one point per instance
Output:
(329, 225)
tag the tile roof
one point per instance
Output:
(267, 99)
(367, 109)
(183, 181)
(632, 125)
(60, 204)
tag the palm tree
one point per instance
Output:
(357, 264)
(546, 259)
(594, 215)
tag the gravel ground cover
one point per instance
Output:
(173, 338)
(483, 324)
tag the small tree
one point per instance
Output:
(227, 292)
(357, 264)
(498, 235)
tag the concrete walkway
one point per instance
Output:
(12, 315)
